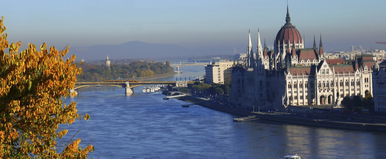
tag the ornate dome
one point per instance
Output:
(288, 33)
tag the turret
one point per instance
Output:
(250, 59)
(321, 50)
(259, 46)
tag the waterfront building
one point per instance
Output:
(380, 87)
(218, 72)
(291, 75)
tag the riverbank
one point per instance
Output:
(335, 120)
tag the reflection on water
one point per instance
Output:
(146, 126)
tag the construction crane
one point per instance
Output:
(384, 43)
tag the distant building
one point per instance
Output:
(380, 87)
(291, 75)
(218, 72)
(108, 62)
(378, 55)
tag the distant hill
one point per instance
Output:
(137, 49)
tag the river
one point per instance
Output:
(146, 126)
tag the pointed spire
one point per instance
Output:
(249, 42)
(249, 50)
(314, 43)
(265, 44)
(288, 18)
(321, 50)
(259, 46)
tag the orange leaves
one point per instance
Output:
(73, 151)
(32, 84)
(62, 133)
(86, 116)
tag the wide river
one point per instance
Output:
(146, 126)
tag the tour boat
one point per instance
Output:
(175, 95)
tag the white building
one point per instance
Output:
(291, 75)
(218, 72)
(107, 62)
(380, 88)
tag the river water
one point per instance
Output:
(146, 126)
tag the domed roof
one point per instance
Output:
(288, 33)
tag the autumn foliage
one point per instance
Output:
(33, 83)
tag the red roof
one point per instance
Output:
(336, 61)
(369, 64)
(343, 68)
(367, 58)
(307, 54)
(299, 70)
(288, 33)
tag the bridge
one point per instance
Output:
(127, 84)
(189, 64)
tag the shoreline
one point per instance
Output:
(336, 121)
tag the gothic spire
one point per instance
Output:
(314, 43)
(259, 46)
(249, 50)
(321, 50)
(288, 18)
(249, 42)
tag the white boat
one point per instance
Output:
(247, 118)
(151, 89)
(292, 157)
(175, 95)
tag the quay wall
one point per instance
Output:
(289, 118)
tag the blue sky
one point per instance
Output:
(193, 23)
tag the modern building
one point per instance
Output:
(291, 75)
(380, 87)
(218, 72)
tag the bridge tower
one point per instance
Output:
(128, 90)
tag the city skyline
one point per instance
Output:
(193, 24)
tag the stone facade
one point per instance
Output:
(290, 75)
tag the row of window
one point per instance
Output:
(327, 84)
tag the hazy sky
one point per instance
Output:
(192, 23)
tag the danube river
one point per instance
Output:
(146, 126)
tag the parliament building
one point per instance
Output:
(291, 75)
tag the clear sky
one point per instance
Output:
(193, 23)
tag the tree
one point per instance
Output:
(32, 86)
(346, 103)
(368, 102)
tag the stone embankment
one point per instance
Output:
(336, 120)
